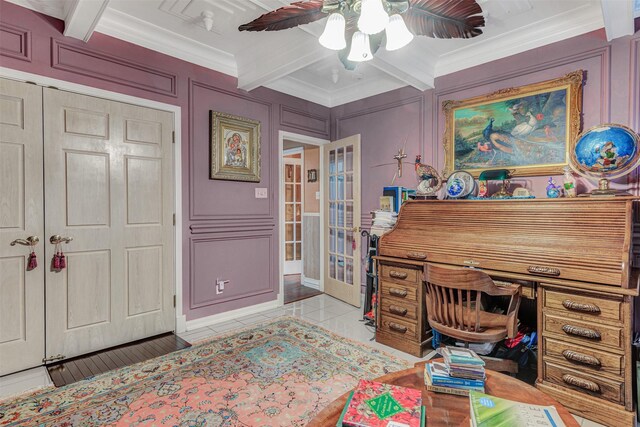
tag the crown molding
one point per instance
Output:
(362, 89)
(126, 27)
(560, 27)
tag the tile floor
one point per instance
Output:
(322, 310)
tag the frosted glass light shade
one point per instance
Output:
(398, 35)
(373, 18)
(333, 35)
(360, 48)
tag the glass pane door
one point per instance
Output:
(293, 197)
(342, 263)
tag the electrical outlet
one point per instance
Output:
(220, 286)
(261, 193)
(317, 195)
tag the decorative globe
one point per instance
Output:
(606, 152)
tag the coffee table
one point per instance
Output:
(447, 409)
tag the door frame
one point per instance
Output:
(180, 321)
(302, 139)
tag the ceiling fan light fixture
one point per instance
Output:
(360, 48)
(398, 35)
(333, 35)
(373, 17)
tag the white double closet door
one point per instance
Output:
(100, 173)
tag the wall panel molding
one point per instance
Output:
(270, 285)
(94, 64)
(16, 42)
(233, 226)
(385, 107)
(266, 147)
(288, 116)
(634, 107)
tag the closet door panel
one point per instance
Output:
(109, 187)
(21, 207)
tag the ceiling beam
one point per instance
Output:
(618, 18)
(416, 70)
(260, 64)
(82, 18)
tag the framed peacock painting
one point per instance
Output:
(527, 129)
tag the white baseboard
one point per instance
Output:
(311, 283)
(231, 315)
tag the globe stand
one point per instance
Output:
(603, 190)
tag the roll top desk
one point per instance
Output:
(576, 254)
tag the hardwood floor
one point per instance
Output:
(294, 290)
(81, 367)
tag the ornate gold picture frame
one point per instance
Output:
(527, 129)
(234, 148)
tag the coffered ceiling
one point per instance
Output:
(292, 61)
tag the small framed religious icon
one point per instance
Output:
(312, 175)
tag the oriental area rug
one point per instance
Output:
(279, 373)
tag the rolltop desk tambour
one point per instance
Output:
(576, 254)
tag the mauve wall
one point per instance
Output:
(611, 94)
(227, 233)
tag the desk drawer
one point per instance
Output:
(400, 274)
(584, 358)
(584, 383)
(400, 291)
(591, 333)
(584, 304)
(399, 308)
(398, 328)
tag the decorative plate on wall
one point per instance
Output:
(460, 184)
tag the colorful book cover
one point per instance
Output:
(375, 404)
(440, 376)
(491, 411)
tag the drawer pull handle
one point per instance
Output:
(397, 328)
(582, 383)
(581, 358)
(578, 306)
(398, 274)
(416, 255)
(581, 332)
(397, 310)
(398, 292)
(547, 271)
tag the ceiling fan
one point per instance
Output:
(357, 28)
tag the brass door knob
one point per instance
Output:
(29, 241)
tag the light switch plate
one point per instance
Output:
(317, 195)
(261, 193)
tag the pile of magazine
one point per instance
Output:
(461, 372)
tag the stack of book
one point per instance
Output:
(374, 404)
(491, 411)
(461, 372)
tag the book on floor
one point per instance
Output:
(491, 411)
(374, 404)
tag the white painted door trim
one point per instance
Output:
(177, 157)
(303, 139)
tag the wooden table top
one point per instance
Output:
(447, 409)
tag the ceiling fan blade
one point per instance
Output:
(445, 19)
(297, 13)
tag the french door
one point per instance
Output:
(293, 205)
(342, 262)
(107, 191)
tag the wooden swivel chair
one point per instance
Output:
(454, 308)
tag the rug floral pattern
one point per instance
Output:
(278, 374)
